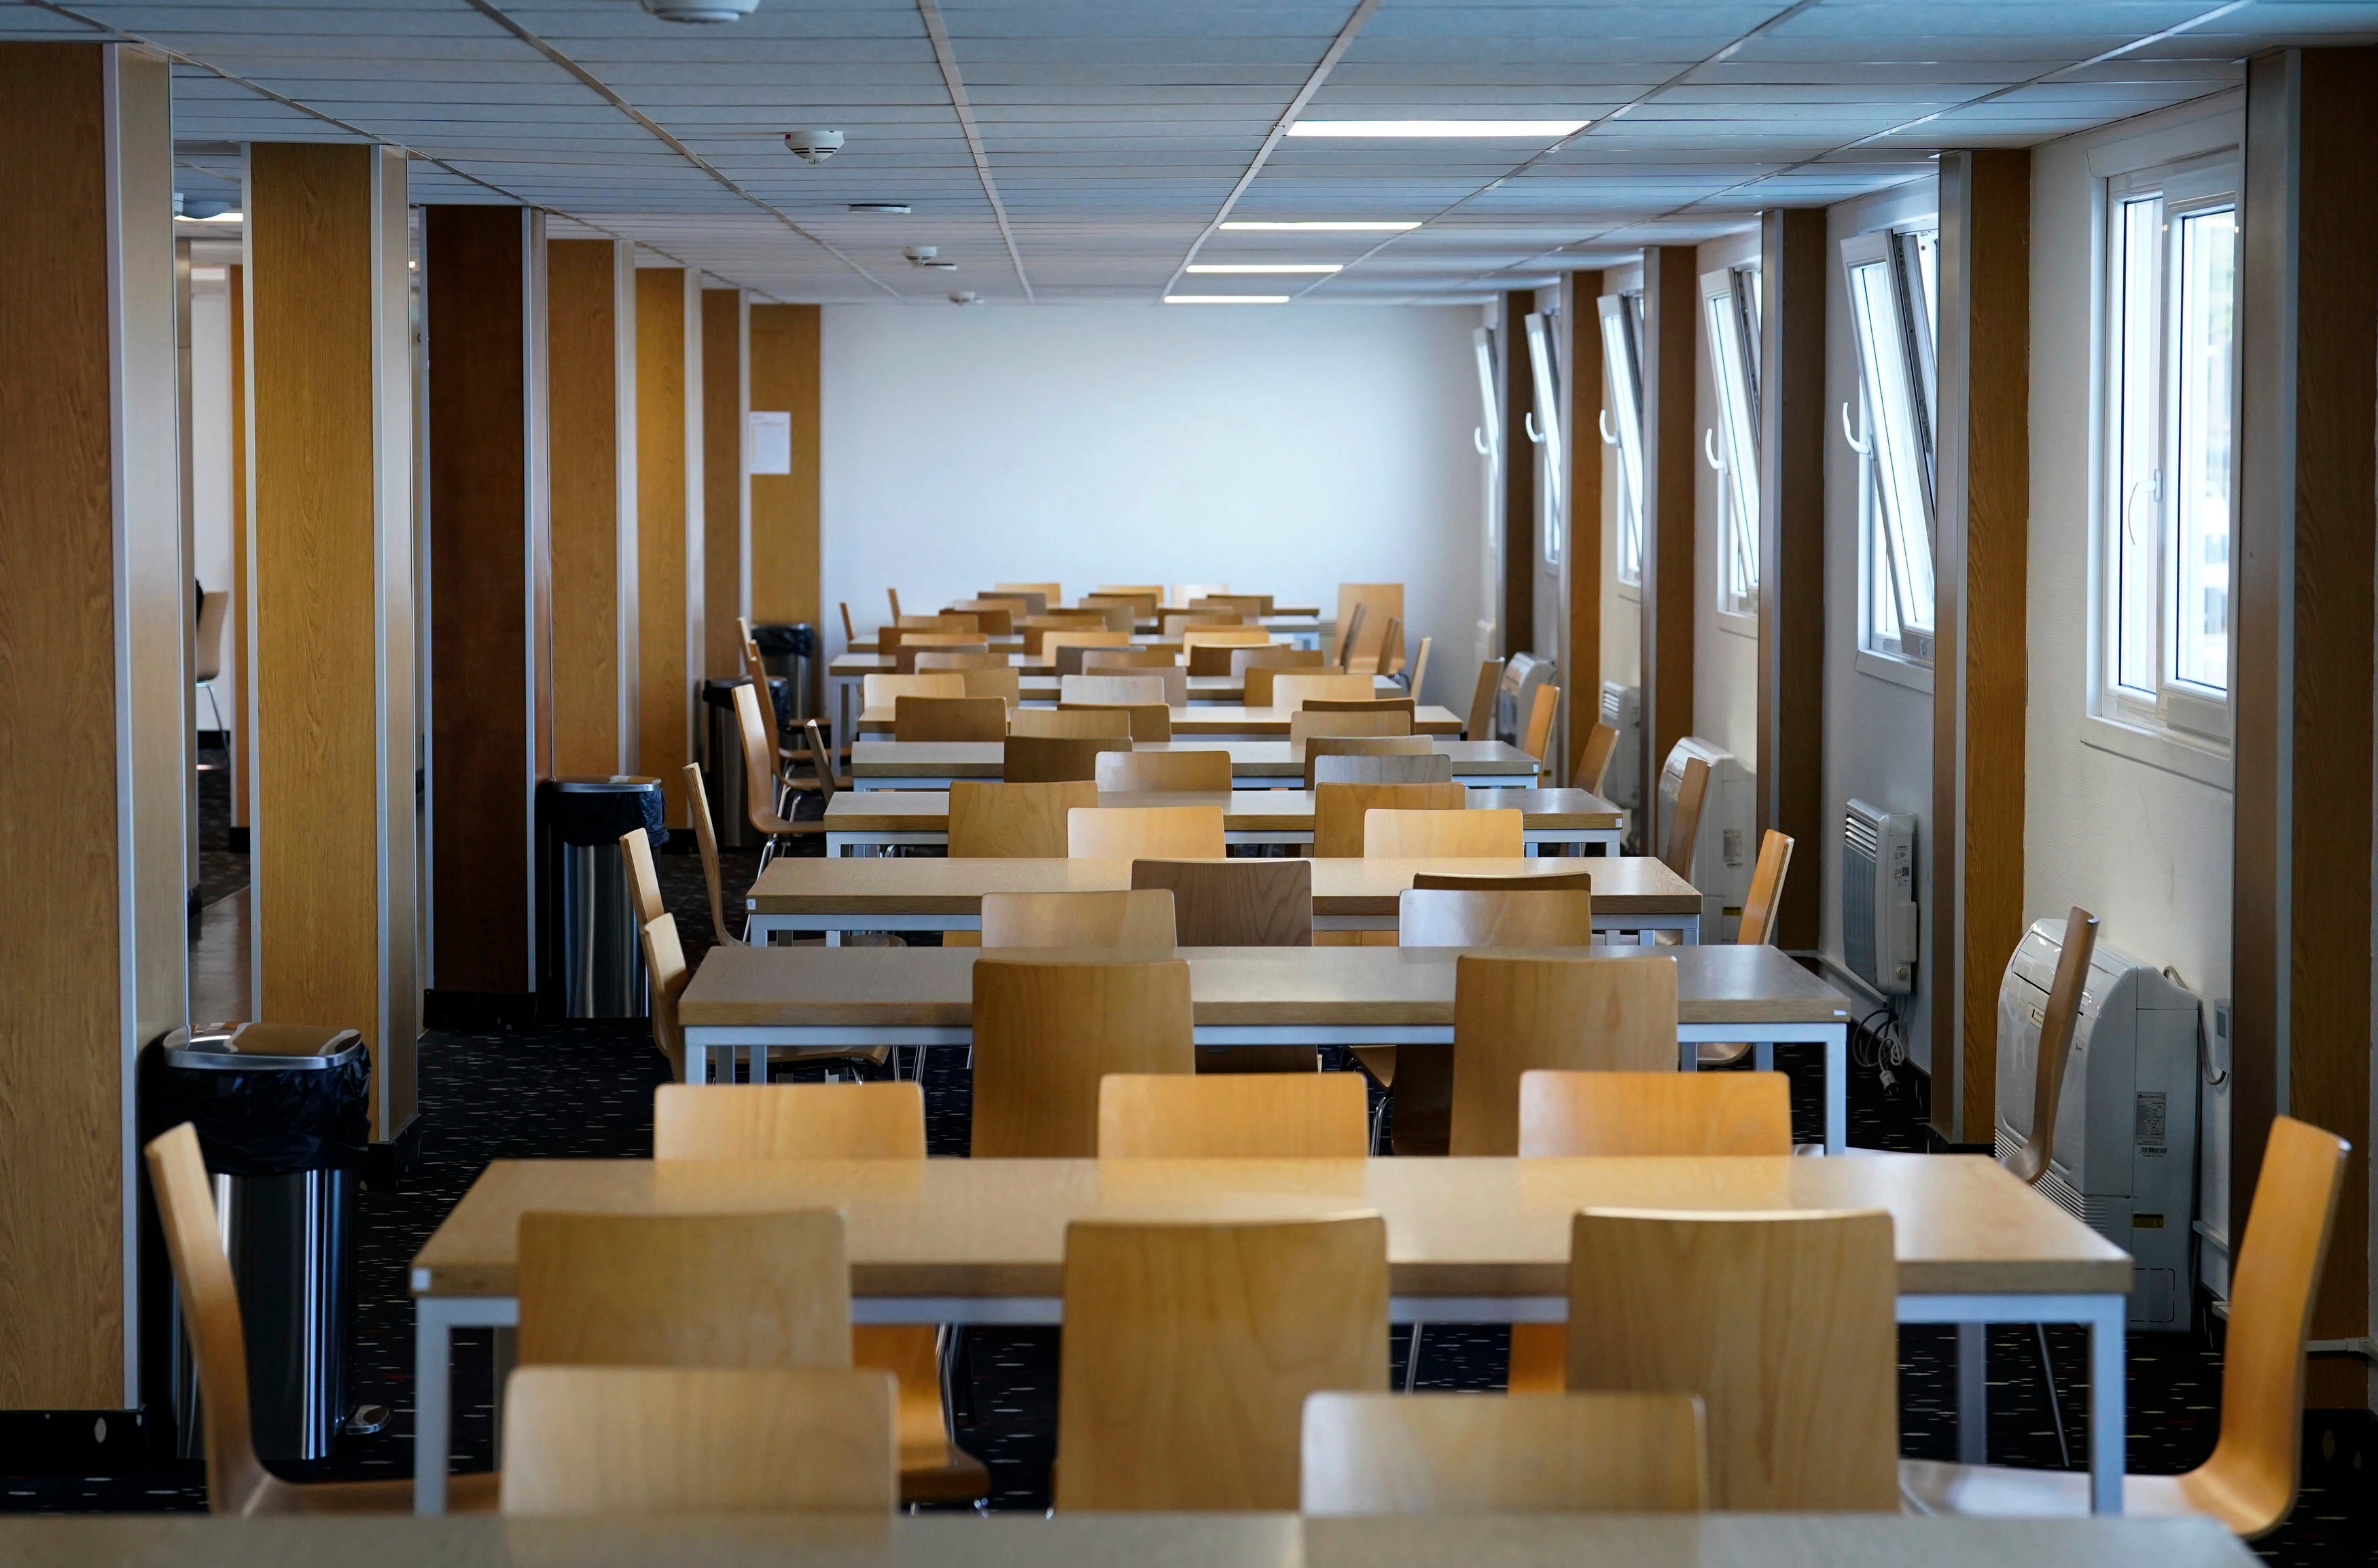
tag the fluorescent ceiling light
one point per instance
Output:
(1267, 267)
(216, 218)
(1506, 130)
(1334, 226)
(1226, 299)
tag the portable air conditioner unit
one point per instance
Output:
(1622, 710)
(1725, 845)
(1515, 697)
(2125, 1157)
(1878, 897)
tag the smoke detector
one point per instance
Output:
(966, 296)
(813, 146)
(701, 11)
(927, 256)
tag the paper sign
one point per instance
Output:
(772, 441)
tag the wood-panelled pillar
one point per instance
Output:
(236, 295)
(1671, 449)
(1518, 616)
(334, 878)
(727, 505)
(95, 606)
(785, 346)
(1792, 262)
(668, 525)
(1580, 357)
(483, 313)
(2300, 933)
(1982, 663)
(591, 414)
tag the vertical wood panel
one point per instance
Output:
(1792, 556)
(237, 614)
(665, 685)
(785, 346)
(1671, 452)
(582, 372)
(1582, 492)
(722, 479)
(1519, 616)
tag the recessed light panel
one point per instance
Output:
(1503, 130)
(1220, 267)
(1318, 226)
(1226, 299)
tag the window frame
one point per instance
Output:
(1897, 449)
(1620, 316)
(1543, 361)
(1731, 448)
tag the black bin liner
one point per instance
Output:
(589, 817)
(263, 1120)
(781, 638)
(717, 692)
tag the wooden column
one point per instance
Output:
(334, 879)
(726, 506)
(1519, 618)
(1671, 450)
(591, 395)
(668, 530)
(1581, 356)
(482, 274)
(2301, 934)
(94, 607)
(237, 614)
(1982, 668)
(785, 506)
(1792, 268)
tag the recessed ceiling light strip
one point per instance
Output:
(956, 86)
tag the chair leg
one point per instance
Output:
(1411, 1361)
(2055, 1409)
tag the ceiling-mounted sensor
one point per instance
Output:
(199, 206)
(894, 208)
(813, 145)
(966, 296)
(927, 256)
(702, 10)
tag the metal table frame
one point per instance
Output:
(840, 843)
(759, 928)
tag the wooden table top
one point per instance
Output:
(933, 988)
(1458, 1227)
(1223, 718)
(1039, 683)
(1622, 884)
(1118, 1541)
(1244, 811)
(1255, 759)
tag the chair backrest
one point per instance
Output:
(1352, 627)
(1254, 606)
(1158, 832)
(1758, 925)
(1523, 917)
(1136, 922)
(1151, 593)
(1320, 745)
(930, 661)
(1547, 881)
(1179, 621)
(1051, 594)
(1053, 642)
(1018, 605)
(1190, 1350)
(1403, 705)
(208, 641)
(1003, 682)
(1373, 605)
(991, 617)
(194, 1244)
(1579, 1014)
(943, 622)
(1013, 822)
(1049, 758)
(1186, 594)
(1036, 628)
(1540, 1453)
(1312, 723)
(1172, 680)
(1419, 668)
(892, 596)
(1785, 1324)
(821, 761)
(884, 691)
(1209, 658)
(792, 1122)
(1047, 1029)
(1338, 810)
(1363, 768)
(759, 1289)
(1233, 1116)
(948, 718)
(1129, 660)
(1235, 902)
(1075, 723)
(1150, 722)
(1276, 656)
(915, 645)
(2057, 1028)
(1386, 657)
(1593, 757)
(1074, 658)
(1538, 738)
(666, 974)
(1291, 688)
(1482, 703)
(1226, 637)
(849, 632)
(1441, 835)
(705, 838)
(1670, 1113)
(1684, 821)
(759, 763)
(643, 879)
(1176, 772)
(628, 1441)
(1115, 692)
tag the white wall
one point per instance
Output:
(210, 467)
(1622, 606)
(1725, 647)
(1281, 451)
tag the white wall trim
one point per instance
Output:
(1899, 672)
(2159, 748)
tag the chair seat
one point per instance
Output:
(961, 1478)
(2003, 1492)
(477, 1493)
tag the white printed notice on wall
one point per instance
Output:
(772, 441)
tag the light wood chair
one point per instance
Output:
(1051, 594)
(1003, 682)
(1173, 626)
(932, 662)
(1513, 1013)
(643, 879)
(1319, 746)
(1075, 659)
(1129, 660)
(1136, 922)
(1482, 703)
(705, 838)
(2057, 1029)
(1403, 705)
(1053, 641)
(1030, 759)
(1352, 629)
(1153, 592)
(1226, 637)
(1388, 656)
(1694, 1115)
(1151, 722)
(666, 977)
(1685, 820)
(915, 644)
(893, 594)
(1254, 606)
(1190, 1350)
(1164, 773)
(1244, 902)
(1291, 688)
(1516, 918)
(759, 780)
(1071, 724)
(1373, 602)
(1154, 833)
(237, 1482)
(1115, 692)
(1340, 812)
(942, 622)
(1757, 927)
(884, 691)
(1274, 656)
(640, 1442)
(1783, 1324)
(1593, 757)
(1037, 628)
(849, 632)
(1370, 1453)
(1308, 723)
(1163, 1116)
(1442, 835)
(1419, 668)
(821, 762)
(1012, 822)
(949, 719)
(1172, 680)
(1046, 1031)
(1462, 881)
(1538, 739)
(1362, 768)
(992, 619)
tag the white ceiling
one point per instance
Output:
(1112, 133)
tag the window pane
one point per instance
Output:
(1619, 366)
(1738, 568)
(2208, 278)
(2136, 435)
(1898, 448)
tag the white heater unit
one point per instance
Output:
(1622, 710)
(1878, 897)
(2125, 1157)
(1725, 846)
(1515, 696)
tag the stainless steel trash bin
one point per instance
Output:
(721, 766)
(790, 651)
(590, 962)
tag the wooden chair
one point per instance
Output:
(1340, 768)
(1164, 1116)
(1153, 592)
(1395, 834)
(884, 691)
(1757, 927)
(1171, 680)
(1370, 1453)
(1593, 757)
(1419, 668)
(666, 977)
(1078, 724)
(2029, 1163)
(1074, 658)
(1482, 704)
(1388, 656)
(1539, 737)
(1173, 626)
(1338, 811)
(849, 632)
(1210, 658)
(1291, 688)
(1055, 643)
(1371, 604)
(1164, 773)
(1003, 682)
(1151, 722)
(1353, 638)
(631, 1442)
(1226, 637)
(1240, 903)
(1783, 1324)
(933, 661)
(1137, 921)
(705, 837)
(1273, 656)
(1319, 746)
(1462, 881)
(1516, 917)
(1049, 591)
(949, 719)
(1129, 660)
(821, 762)
(1190, 1350)
(1512, 1013)
(943, 622)
(1155, 832)
(1037, 628)
(991, 619)
(1012, 821)
(893, 594)
(1030, 759)
(237, 1482)
(916, 644)
(759, 780)
(1115, 692)
(643, 879)
(1685, 820)
(1365, 723)
(1047, 1030)
(1403, 705)
(1254, 606)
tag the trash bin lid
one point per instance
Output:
(612, 784)
(261, 1048)
(786, 636)
(719, 693)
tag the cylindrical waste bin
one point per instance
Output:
(591, 965)
(788, 651)
(723, 762)
(282, 1113)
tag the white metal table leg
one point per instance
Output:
(2109, 1456)
(1972, 1393)
(433, 1377)
(1837, 1089)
